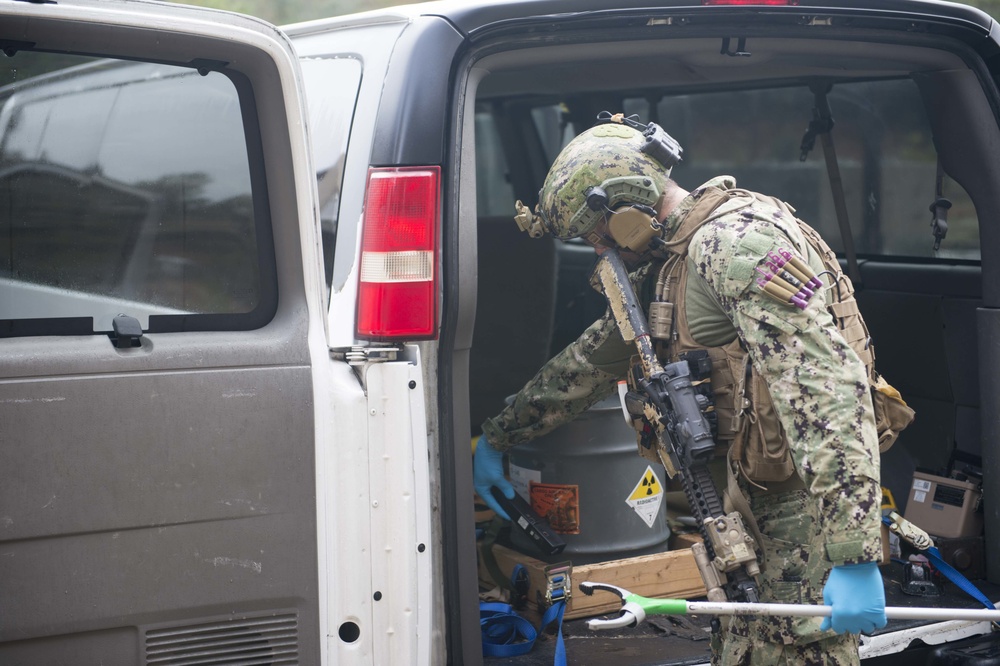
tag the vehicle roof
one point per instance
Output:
(472, 16)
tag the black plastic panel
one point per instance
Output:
(411, 127)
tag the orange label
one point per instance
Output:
(558, 504)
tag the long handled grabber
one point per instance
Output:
(635, 609)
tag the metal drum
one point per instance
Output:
(588, 481)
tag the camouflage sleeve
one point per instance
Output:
(566, 386)
(818, 384)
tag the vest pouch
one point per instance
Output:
(729, 364)
(892, 414)
(760, 447)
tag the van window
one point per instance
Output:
(494, 194)
(126, 188)
(881, 136)
(331, 86)
(884, 149)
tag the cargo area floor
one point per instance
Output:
(684, 641)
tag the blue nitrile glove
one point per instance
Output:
(857, 596)
(487, 470)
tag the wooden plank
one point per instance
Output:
(684, 540)
(670, 574)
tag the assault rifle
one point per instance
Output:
(669, 403)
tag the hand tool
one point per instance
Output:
(635, 608)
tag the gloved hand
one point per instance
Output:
(857, 596)
(487, 470)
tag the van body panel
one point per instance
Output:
(383, 496)
(400, 513)
(411, 129)
(178, 474)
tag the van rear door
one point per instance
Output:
(160, 328)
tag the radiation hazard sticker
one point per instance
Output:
(647, 496)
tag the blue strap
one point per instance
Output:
(507, 634)
(955, 576)
(952, 574)
(555, 612)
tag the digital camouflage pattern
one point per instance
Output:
(818, 385)
(795, 572)
(597, 155)
(819, 389)
(741, 651)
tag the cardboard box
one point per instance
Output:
(944, 507)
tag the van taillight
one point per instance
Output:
(397, 285)
(751, 2)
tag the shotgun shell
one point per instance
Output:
(789, 264)
(802, 267)
(777, 291)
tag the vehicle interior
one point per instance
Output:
(911, 125)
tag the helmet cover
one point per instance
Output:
(608, 156)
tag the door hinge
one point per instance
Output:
(359, 358)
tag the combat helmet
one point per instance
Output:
(619, 167)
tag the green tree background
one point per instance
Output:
(282, 12)
(290, 11)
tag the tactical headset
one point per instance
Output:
(629, 205)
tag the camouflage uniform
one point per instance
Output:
(830, 513)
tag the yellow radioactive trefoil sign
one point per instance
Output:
(647, 496)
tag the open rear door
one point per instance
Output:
(160, 297)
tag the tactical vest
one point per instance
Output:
(748, 426)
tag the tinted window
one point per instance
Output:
(332, 86)
(126, 188)
(494, 195)
(881, 136)
(884, 149)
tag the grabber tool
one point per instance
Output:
(635, 609)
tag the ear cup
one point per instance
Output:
(632, 228)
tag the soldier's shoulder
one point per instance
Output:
(733, 225)
(736, 239)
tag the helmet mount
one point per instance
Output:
(658, 144)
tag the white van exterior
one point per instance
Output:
(259, 288)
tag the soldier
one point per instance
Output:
(790, 389)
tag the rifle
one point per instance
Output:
(675, 410)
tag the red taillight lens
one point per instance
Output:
(791, 3)
(397, 285)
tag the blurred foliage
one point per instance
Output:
(991, 7)
(281, 12)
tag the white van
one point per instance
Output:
(260, 287)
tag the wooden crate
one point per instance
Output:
(672, 574)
